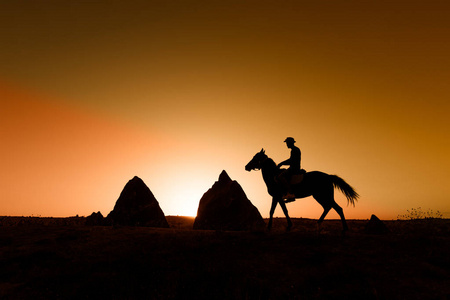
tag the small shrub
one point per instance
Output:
(418, 214)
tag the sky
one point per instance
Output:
(94, 93)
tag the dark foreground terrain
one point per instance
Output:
(63, 259)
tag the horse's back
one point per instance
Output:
(316, 179)
(315, 174)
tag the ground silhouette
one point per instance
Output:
(225, 206)
(67, 260)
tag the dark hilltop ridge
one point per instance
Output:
(225, 206)
(62, 258)
(137, 206)
(67, 261)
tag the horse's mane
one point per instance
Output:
(270, 163)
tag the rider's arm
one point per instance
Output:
(287, 162)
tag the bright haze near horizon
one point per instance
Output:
(95, 92)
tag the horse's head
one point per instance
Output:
(256, 161)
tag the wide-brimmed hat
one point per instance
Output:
(289, 140)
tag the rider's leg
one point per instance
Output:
(289, 194)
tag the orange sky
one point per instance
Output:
(174, 92)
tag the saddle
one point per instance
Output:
(296, 179)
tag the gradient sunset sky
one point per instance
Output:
(95, 92)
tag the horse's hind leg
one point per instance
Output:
(324, 214)
(340, 212)
(324, 199)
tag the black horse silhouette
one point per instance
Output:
(317, 184)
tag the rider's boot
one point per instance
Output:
(289, 196)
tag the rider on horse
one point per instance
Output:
(293, 162)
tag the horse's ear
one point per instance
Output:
(263, 151)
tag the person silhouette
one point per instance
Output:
(294, 169)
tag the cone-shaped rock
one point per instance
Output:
(137, 206)
(375, 226)
(226, 207)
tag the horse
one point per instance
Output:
(317, 184)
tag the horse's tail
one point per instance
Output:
(345, 188)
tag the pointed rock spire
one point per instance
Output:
(223, 177)
(226, 207)
(137, 206)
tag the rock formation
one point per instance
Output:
(226, 207)
(137, 206)
(375, 226)
(95, 219)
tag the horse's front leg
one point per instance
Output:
(284, 208)
(272, 211)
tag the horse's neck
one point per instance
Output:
(268, 170)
